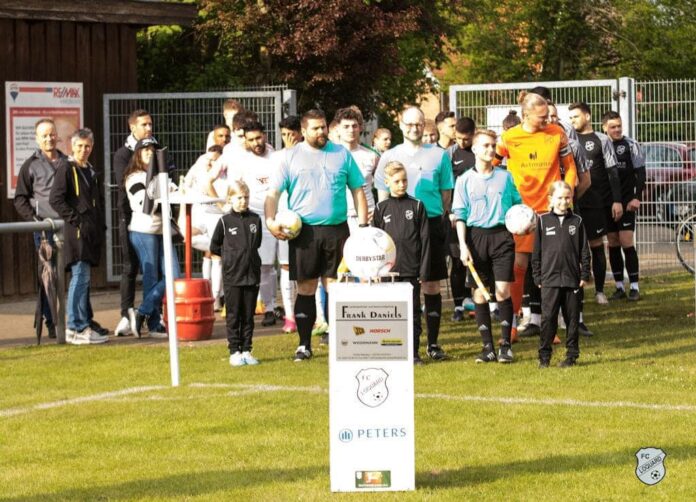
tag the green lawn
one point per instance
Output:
(489, 432)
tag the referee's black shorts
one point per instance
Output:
(439, 247)
(493, 253)
(317, 251)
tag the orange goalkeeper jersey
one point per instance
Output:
(534, 160)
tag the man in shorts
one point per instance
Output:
(430, 180)
(631, 167)
(315, 174)
(601, 203)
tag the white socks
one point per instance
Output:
(207, 264)
(287, 292)
(320, 308)
(267, 288)
(216, 277)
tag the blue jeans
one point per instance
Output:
(150, 250)
(45, 309)
(79, 309)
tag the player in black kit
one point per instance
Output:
(601, 203)
(405, 220)
(631, 167)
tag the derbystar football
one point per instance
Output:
(290, 223)
(520, 219)
(369, 252)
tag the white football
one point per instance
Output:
(290, 223)
(369, 252)
(520, 219)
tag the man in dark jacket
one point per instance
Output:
(76, 197)
(140, 124)
(33, 188)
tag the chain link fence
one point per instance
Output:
(181, 122)
(659, 114)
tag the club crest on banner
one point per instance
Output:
(372, 386)
(650, 468)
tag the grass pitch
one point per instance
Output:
(101, 422)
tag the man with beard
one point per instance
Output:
(256, 168)
(430, 180)
(315, 174)
(601, 204)
(446, 125)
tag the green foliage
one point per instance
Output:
(515, 41)
(370, 53)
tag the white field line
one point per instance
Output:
(246, 389)
(11, 412)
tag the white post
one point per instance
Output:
(163, 179)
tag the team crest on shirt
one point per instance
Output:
(572, 229)
(409, 214)
(589, 145)
(252, 228)
(621, 149)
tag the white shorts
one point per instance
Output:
(204, 222)
(269, 248)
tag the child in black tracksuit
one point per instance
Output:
(561, 267)
(405, 220)
(237, 239)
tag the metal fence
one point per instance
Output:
(182, 122)
(659, 114)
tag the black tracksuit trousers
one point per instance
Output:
(568, 301)
(240, 304)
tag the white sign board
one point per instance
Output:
(371, 427)
(25, 104)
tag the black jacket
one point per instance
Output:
(34, 186)
(77, 198)
(406, 222)
(561, 256)
(121, 159)
(237, 239)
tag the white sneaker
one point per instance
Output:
(88, 337)
(159, 332)
(249, 359)
(237, 359)
(69, 335)
(133, 323)
(123, 328)
(601, 299)
(523, 323)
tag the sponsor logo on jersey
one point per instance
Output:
(387, 218)
(233, 230)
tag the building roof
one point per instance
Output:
(138, 12)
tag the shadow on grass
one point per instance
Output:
(194, 484)
(552, 464)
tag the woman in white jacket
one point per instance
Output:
(145, 233)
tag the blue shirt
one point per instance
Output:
(481, 200)
(316, 181)
(428, 169)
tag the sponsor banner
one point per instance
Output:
(371, 426)
(25, 104)
(372, 331)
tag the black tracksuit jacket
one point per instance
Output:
(561, 256)
(406, 222)
(237, 239)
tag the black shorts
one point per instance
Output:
(596, 221)
(627, 222)
(317, 251)
(439, 248)
(493, 253)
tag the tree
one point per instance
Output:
(371, 53)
